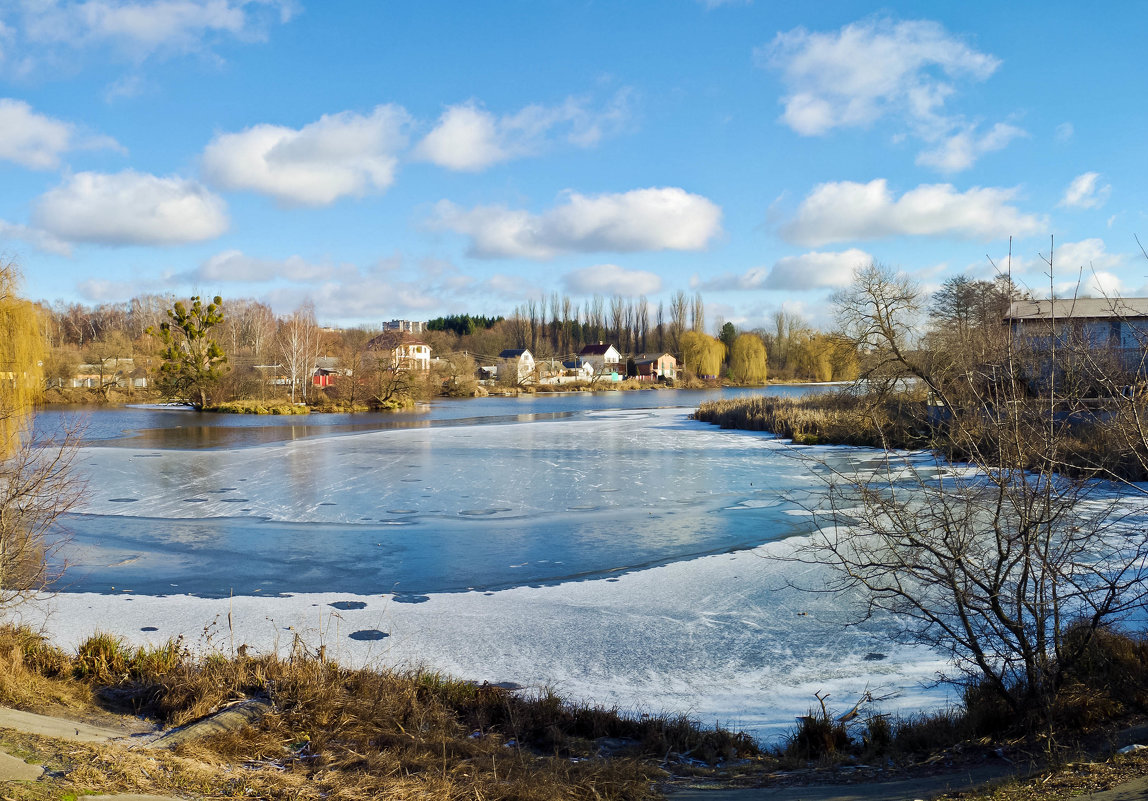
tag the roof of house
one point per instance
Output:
(327, 363)
(513, 353)
(652, 357)
(574, 364)
(1078, 308)
(596, 350)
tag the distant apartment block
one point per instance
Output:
(406, 326)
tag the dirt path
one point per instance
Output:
(899, 790)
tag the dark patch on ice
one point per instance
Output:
(147, 455)
(122, 500)
(327, 503)
(348, 605)
(611, 579)
(412, 480)
(402, 511)
(149, 628)
(224, 489)
(482, 512)
(368, 634)
(195, 500)
(488, 593)
(245, 510)
(411, 599)
(874, 657)
(236, 500)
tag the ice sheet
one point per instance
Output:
(722, 638)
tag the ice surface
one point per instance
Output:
(722, 637)
(618, 555)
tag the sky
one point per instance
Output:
(388, 159)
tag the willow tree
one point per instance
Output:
(36, 482)
(22, 355)
(702, 355)
(747, 359)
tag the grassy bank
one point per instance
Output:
(342, 733)
(837, 418)
(259, 407)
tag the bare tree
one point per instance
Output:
(299, 338)
(679, 309)
(37, 484)
(1014, 566)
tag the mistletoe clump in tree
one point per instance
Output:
(192, 361)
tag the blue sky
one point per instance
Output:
(399, 159)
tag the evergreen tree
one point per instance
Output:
(193, 362)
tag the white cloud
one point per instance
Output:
(338, 155)
(610, 279)
(470, 138)
(1064, 132)
(814, 270)
(1085, 192)
(845, 210)
(868, 69)
(41, 240)
(140, 29)
(1092, 284)
(237, 266)
(961, 150)
(131, 208)
(35, 140)
(876, 68)
(1086, 262)
(666, 218)
(101, 290)
(1089, 254)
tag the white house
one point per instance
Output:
(406, 352)
(516, 361)
(604, 358)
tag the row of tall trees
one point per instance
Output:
(114, 340)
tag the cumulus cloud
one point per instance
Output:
(846, 210)
(1085, 192)
(962, 149)
(41, 240)
(336, 156)
(35, 140)
(876, 68)
(470, 138)
(814, 270)
(139, 30)
(667, 218)
(1088, 262)
(237, 266)
(130, 208)
(868, 69)
(610, 279)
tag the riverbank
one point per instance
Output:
(837, 418)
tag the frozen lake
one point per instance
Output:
(602, 544)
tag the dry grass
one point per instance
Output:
(838, 418)
(342, 733)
